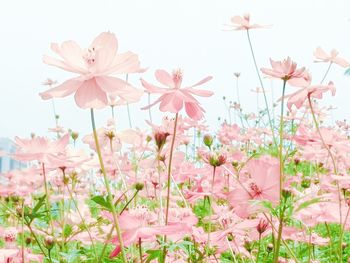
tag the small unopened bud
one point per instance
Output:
(110, 135)
(269, 247)
(139, 186)
(234, 163)
(305, 183)
(208, 140)
(49, 242)
(28, 240)
(74, 135)
(160, 139)
(262, 226)
(237, 74)
(148, 138)
(296, 161)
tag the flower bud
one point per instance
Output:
(74, 135)
(160, 139)
(49, 242)
(208, 140)
(262, 226)
(139, 186)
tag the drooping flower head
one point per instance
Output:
(174, 97)
(95, 65)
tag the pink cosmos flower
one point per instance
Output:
(94, 66)
(243, 23)
(314, 91)
(39, 148)
(174, 97)
(322, 56)
(262, 184)
(287, 70)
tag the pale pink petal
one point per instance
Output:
(165, 78)
(66, 88)
(90, 95)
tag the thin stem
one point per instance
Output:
(22, 226)
(149, 109)
(169, 179)
(281, 139)
(262, 87)
(259, 248)
(281, 216)
(48, 208)
(140, 250)
(109, 194)
(35, 238)
(210, 209)
(82, 220)
(327, 71)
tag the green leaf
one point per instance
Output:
(308, 203)
(154, 254)
(100, 200)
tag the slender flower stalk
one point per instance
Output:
(262, 87)
(169, 179)
(281, 216)
(47, 202)
(109, 194)
(327, 71)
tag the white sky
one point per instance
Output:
(165, 34)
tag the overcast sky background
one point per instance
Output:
(165, 34)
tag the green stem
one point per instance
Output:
(82, 220)
(48, 207)
(325, 75)
(262, 87)
(281, 216)
(140, 250)
(259, 249)
(169, 181)
(109, 194)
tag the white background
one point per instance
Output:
(165, 34)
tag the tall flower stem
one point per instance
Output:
(335, 172)
(327, 71)
(210, 209)
(149, 109)
(280, 155)
(262, 87)
(109, 194)
(169, 179)
(48, 207)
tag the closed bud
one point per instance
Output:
(160, 139)
(139, 186)
(262, 226)
(74, 135)
(28, 240)
(49, 242)
(208, 140)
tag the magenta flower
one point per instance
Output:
(95, 66)
(174, 97)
